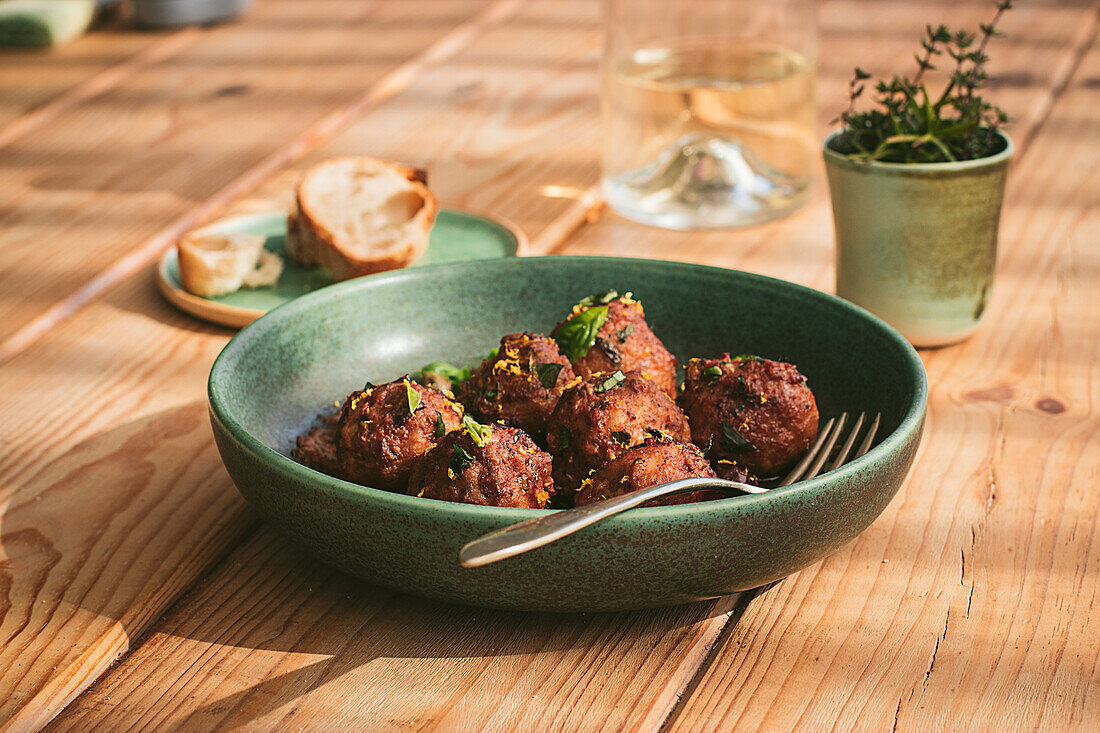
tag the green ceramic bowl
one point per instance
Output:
(274, 376)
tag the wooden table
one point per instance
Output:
(137, 590)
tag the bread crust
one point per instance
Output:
(309, 242)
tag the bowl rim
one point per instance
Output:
(912, 420)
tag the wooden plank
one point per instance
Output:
(136, 368)
(284, 643)
(209, 678)
(98, 180)
(37, 83)
(969, 603)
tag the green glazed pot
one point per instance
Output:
(276, 374)
(916, 244)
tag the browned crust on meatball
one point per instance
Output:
(509, 387)
(507, 470)
(766, 403)
(656, 461)
(378, 440)
(591, 425)
(316, 448)
(626, 342)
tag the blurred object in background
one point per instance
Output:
(43, 23)
(708, 110)
(175, 13)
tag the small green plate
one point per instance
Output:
(457, 236)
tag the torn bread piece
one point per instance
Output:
(357, 216)
(213, 264)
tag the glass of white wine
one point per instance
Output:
(708, 110)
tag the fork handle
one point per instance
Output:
(519, 538)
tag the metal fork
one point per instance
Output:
(524, 536)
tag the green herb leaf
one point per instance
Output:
(412, 396)
(712, 372)
(600, 298)
(450, 371)
(440, 426)
(577, 335)
(493, 352)
(368, 385)
(460, 459)
(655, 433)
(621, 437)
(611, 382)
(625, 332)
(608, 350)
(565, 439)
(732, 441)
(747, 357)
(478, 433)
(548, 374)
(490, 394)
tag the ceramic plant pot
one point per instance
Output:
(916, 244)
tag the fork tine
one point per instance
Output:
(826, 449)
(800, 468)
(866, 444)
(842, 454)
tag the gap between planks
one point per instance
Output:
(385, 88)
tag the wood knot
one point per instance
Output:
(233, 90)
(990, 394)
(1051, 406)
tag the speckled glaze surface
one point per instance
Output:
(273, 377)
(917, 244)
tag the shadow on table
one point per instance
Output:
(110, 533)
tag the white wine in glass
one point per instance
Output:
(707, 132)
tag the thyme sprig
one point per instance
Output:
(911, 124)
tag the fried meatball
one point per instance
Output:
(602, 416)
(520, 385)
(624, 341)
(749, 413)
(378, 439)
(656, 461)
(316, 448)
(491, 465)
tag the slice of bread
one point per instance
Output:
(213, 264)
(357, 216)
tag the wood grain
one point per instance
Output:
(92, 184)
(287, 644)
(968, 604)
(127, 365)
(37, 81)
(116, 505)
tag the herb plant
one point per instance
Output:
(911, 124)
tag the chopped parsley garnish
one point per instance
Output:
(712, 372)
(368, 385)
(491, 394)
(655, 433)
(710, 443)
(548, 374)
(493, 352)
(440, 426)
(611, 382)
(460, 460)
(621, 437)
(624, 332)
(412, 396)
(599, 298)
(732, 441)
(577, 335)
(478, 433)
(747, 357)
(449, 371)
(608, 350)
